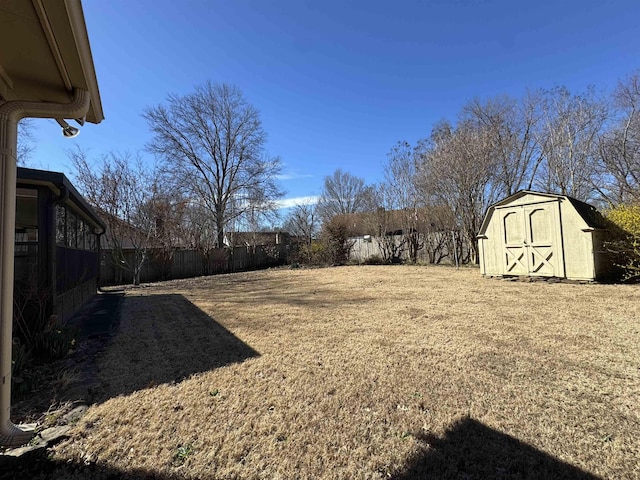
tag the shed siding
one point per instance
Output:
(577, 244)
(490, 257)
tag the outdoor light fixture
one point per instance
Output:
(67, 130)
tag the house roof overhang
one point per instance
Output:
(50, 55)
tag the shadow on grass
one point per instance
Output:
(100, 316)
(38, 466)
(129, 344)
(161, 339)
(164, 339)
(471, 450)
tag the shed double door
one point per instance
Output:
(532, 241)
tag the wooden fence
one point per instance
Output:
(192, 263)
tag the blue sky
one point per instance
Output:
(338, 83)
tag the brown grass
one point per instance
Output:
(367, 372)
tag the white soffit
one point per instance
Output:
(46, 54)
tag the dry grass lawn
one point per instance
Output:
(366, 372)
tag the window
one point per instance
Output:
(91, 238)
(80, 234)
(26, 234)
(61, 220)
(71, 229)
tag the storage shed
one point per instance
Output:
(544, 234)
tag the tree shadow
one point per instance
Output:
(472, 450)
(164, 339)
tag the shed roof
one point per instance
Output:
(588, 213)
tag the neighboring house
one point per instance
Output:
(544, 234)
(124, 235)
(56, 243)
(253, 239)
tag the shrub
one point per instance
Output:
(336, 243)
(626, 244)
(54, 343)
(37, 337)
(317, 252)
(20, 358)
(375, 260)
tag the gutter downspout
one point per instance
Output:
(10, 114)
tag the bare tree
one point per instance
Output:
(619, 146)
(25, 139)
(167, 209)
(437, 233)
(121, 189)
(456, 171)
(570, 125)
(200, 231)
(213, 143)
(402, 194)
(260, 213)
(385, 223)
(343, 193)
(302, 221)
(511, 126)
